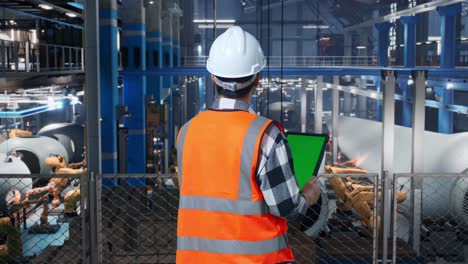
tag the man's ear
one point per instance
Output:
(257, 80)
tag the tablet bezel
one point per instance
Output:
(322, 151)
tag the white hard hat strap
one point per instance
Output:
(234, 86)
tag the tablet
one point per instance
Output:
(307, 154)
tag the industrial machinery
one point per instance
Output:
(47, 153)
(444, 200)
(358, 194)
(34, 150)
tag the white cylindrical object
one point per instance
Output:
(12, 165)
(35, 150)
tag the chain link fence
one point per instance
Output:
(136, 217)
(434, 218)
(138, 220)
(40, 219)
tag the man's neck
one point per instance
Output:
(245, 99)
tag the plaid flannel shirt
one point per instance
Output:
(275, 174)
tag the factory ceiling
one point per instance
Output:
(59, 10)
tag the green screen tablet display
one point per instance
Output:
(307, 153)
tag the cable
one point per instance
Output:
(282, 58)
(268, 62)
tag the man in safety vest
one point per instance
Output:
(236, 179)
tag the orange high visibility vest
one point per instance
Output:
(223, 217)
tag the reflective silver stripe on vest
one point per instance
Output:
(231, 246)
(180, 147)
(248, 149)
(223, 205)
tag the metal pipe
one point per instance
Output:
(303, 105)
(318, 105)
(335, 114)
(417, 156)
(93, 126)
(388, 141)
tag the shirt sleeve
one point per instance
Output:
(276, 179)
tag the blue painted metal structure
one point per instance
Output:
(448, 15)
(383, 43)
(410, 40)
(109, 90)
(134, 92)
(407, 104)
(155, 61)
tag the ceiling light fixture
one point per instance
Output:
(71, 14)
(212, 21)
(360, 47)
(151, 2)
(315, 26)
(46, 7)
(217, 26)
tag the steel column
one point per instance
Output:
(448, 16)
(383, 43)
(335, 116)
(388, 144)
(318, 105)
(154, 48)
(93, 126)
(410, 40)
(168, 62)
(417, 156)
(134, 90)
(109, 83)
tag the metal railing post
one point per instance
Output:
(84, 218)
(82, 60)
(15, 53)
(2, 55)
(75, 62)
(26, 55)
(385, 212)
(70, 58)
(55, 58)
(395, 217)
(38, 57)
(375, 214)
(47, 57)
(63, 59)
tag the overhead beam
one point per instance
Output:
(57, 8)
(41, 17)
(407, 12)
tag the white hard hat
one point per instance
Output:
(235, 54)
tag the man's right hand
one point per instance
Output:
(311, 191)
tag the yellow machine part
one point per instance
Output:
(13, 247)
(356, 195)
(71, 199)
